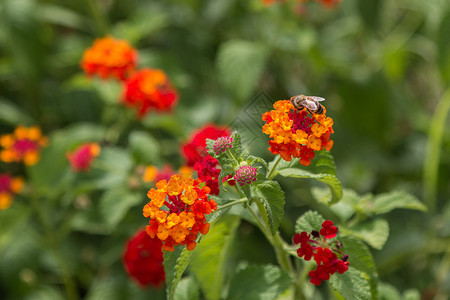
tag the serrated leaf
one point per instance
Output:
(384, 203)
(258, 283)
(12, 114)
(115, 203)
(375, 232)
(174, 265)
(272, 197)
(144, 147)
(208, 261)
(187, 289)
(352, 285)
(309, 221)
(361, 259)
(240, 63)
(322, 168)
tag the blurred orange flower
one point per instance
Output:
(296, 134)
(109, 57)
(9, 186)
(24, 144)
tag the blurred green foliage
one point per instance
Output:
(383, 67)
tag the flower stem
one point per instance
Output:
(432, 157)
(50, 234)
(272, 174)
(235, 202)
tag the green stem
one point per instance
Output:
(230, 155)
(431, 163)
(235, 202)
(271, 174)
(50, 234)
(100, 21)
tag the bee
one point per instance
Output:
(311, 103)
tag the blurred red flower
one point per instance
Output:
(143, 260)
(148, 89)
(8, 187)
(81, 158)
(195, 148)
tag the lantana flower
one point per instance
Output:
(82, 157)
(177, 210)
(24, 144)
(9, 186)
(296, 133)
(149, 89)
(109, 57)
(245, 174)
(208, 170)
(318, 245)
(155, 174)
(195, 148)
(143, 260)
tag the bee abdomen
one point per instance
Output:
(319, 109)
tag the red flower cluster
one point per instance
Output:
(177, 212)
(82, 157)
(109, 57)
(323, 251)
(143, 260)
(8, 187)
(208, 172)
(195, 148)
(148, 89)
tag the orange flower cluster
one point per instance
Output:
(153, 174)
(186, 205)
(149, 88)
(22, 145)
(109, 57)
(8, 187)
(295, 134)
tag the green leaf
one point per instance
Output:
(240, 64)
(272, 197)
(115, 203)
(258, 283)
(11, 220)
(12, 114)
(361, 259)
(309, 221)
(375, 232)
(352, 285)
(45, 292)
(388, 292)
(174, 265)
(187, 289)
(322, 168)
(208, 261)
(384, 203)
(51, 174)
(145, 147)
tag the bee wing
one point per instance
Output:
(316, 98)
(311, 105)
